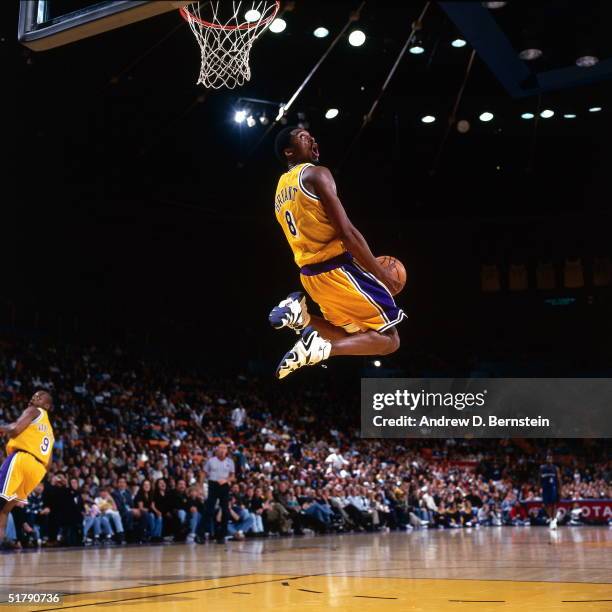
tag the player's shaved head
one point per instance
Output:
(283, 141)
(42, 399)
(296, 145)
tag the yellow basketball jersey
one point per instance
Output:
(311, 236)
(37, 438)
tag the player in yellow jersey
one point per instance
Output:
(29, 450)
(337, 268)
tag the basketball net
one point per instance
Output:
(225, 35)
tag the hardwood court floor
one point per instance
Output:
(501, 569)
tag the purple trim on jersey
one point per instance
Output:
(4, 470)
(375, 292)
(326, 266)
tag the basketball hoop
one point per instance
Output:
(225, 36)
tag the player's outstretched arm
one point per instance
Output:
(320, 180)
(14, 429)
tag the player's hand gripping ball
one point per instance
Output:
(395, 271)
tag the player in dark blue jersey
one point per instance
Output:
(550, 480)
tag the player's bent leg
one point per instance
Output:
(367, 343)
(328, 330)
(312, 348)
(5, 508)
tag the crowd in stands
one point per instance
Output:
(133, 435)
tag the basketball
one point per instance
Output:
(396, 266)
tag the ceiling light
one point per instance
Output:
(239, 116)
(428, 119)
(527, 116)
(463, 126)
(377, 363)
(486, 116)
(251, 121)
(569, 116)
(278, 25)
(594, 109)
(530, 54)
(331, 113)
(321, 32)
(357, 38)
(547, 113)
(263, 119)
(417, 49)
(458, 43)
(586, 61)
(252, 15)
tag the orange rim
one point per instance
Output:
(186, 15)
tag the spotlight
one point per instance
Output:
(250, 120)
(586, 61)
(494, 5)
(547, 113)
(357, 38)
(377, 363)
(569, 116)
(486, 116)
(417, 48)
(321, 32)
(458, 43)
(240, 116)
(278, 25)
(252, 15)
(263, 119)
(530, 54)
(527, 116)
(428, 119)
(463, 126)
(331, 113)
(594, 109)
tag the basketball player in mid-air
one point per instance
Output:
(337, 267)
(29, 451)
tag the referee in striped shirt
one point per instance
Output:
(220, 472)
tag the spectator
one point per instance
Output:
(93, 519)
(241, 520)
(64, 519)
(37, 514)
(131, 517)
(180, 508)
(254, 503)
(108, 508)
(238, 417)
(196, 511)
(286, 498)
(152, 517)
(359, 510)
(162, 507)
(276, 517)
(335, 461)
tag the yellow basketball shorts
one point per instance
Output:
(349, 296)
(19, 474)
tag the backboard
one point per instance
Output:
(45, 24)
